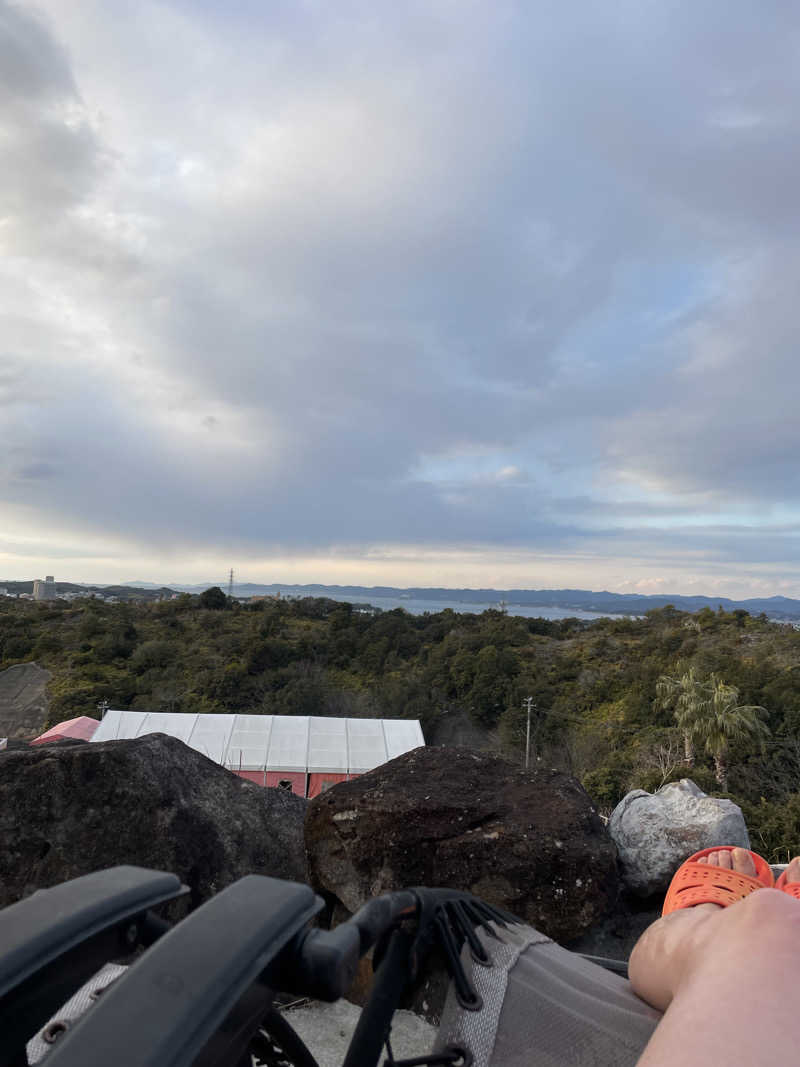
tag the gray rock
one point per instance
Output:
(528, 842)
(23, 700)
(66, 810)
(655, 832)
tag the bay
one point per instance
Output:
(418, 606)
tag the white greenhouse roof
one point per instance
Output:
(327, 745)
(401, 736)
(249, 742)
(288, 747)
(211, 735)
(315, 744)
(367, 743)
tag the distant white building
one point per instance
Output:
(44, 590)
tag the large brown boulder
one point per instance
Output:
(66, 810)
(529, 842)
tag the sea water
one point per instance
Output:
(418, 606)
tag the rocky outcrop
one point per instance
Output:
(655, 832)
(69, 809)
(529, 842)
(23, 700)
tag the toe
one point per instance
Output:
(719, 859)
(742, 862)
(793, 871)
(737, 859)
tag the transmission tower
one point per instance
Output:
(230, 583)
(528, 704)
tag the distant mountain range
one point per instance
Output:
(776, 607)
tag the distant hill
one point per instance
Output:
(776, 607)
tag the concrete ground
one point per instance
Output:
(327, 1029)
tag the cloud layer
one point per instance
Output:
(369, 282)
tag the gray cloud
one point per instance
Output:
(293, 279)
(32, 64)
(49, 150)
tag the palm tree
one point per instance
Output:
(685, 693)
(722, 720)
(708, 714)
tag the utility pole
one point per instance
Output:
(230, 584)
(528, 703)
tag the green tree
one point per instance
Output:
(684, 694)
(723, 720)
(709, 715)
(268, 655)
(462, 670)
(494, 672)
(152, 654)
(213, 598)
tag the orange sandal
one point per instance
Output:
(697, 883)
(792, 890)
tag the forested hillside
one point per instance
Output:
(607, 693)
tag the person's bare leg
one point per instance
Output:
(725, 977)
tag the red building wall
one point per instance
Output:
(298, 781)
(297, 778)
(317, 782)
(274, 779)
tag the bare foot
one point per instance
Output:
(738, 860)
(659, 958)
(793, 871)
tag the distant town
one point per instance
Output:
(48, 588)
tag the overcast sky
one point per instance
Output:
(430, 293)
